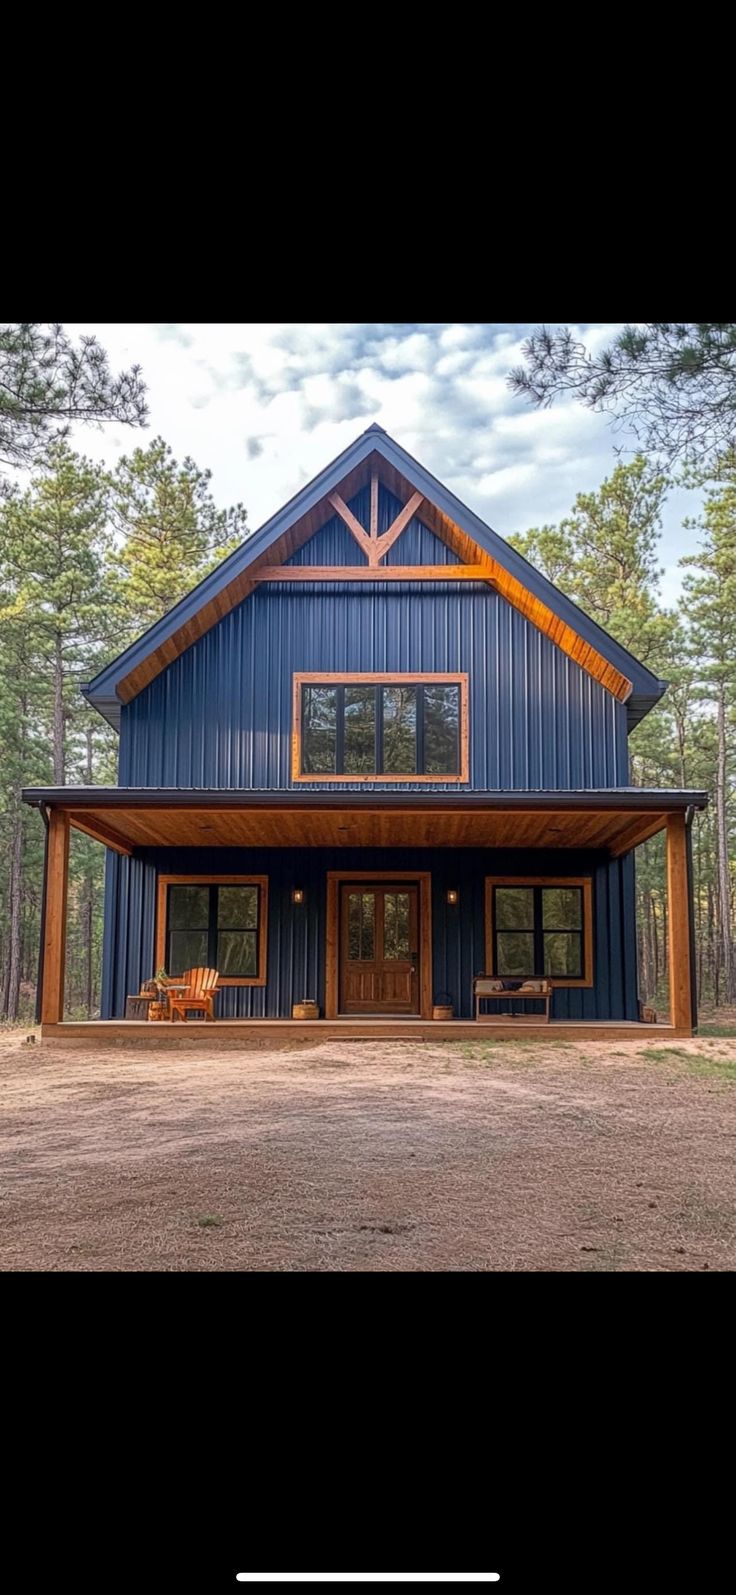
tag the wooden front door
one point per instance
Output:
(379, 948)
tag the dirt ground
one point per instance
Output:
(475, 1155)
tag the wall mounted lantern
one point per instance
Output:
(297, 894)
(452, 897)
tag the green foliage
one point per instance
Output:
(672, 383)
(170, 533)
(88, 559)
(46, 383)
(604, 555)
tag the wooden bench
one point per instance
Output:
(488, 988)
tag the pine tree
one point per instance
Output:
(54, 541)
(170, 532)
(46, 383)
(672, 382)
(710, 596)
(604, 556)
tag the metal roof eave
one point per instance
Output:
(636, 799)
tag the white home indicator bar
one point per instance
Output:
(368, 1578)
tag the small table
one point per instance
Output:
(165, 987)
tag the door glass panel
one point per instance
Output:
(361, 923)
(399, 730)
(515, 952)
(514, 908)
(360, 730)
(441, 730)
(396, 925)
(562, 907)
(319, 730)
(563, 953)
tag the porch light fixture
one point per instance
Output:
(452, 897)
(297, 894)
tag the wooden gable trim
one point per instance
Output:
(473, 560)
(372, 573)
(397, 526)
(373, 546)
(374, 504)
(362, 539)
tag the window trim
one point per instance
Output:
(165, 881)
(584, 881)
(407, 678)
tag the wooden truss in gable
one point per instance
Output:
(473, 565)
(373, 546)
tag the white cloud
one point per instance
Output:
(267, 405)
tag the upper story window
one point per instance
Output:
(380, 728)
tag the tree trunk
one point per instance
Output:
(722, 860)
(699, 909)
(15, 894)
(58, 727)
(89, 894)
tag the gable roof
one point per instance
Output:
(469, 537)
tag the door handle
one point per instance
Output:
(414, 961)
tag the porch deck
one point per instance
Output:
(279, 1031)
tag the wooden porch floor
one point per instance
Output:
(261, 1031)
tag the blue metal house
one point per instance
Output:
(372, 755)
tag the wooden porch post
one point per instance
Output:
(54, 940)
(679, 908)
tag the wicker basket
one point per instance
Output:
(305, 1010)
(443, 1010)
(157, 1010)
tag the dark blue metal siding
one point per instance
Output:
(221, 714)
(296, 938)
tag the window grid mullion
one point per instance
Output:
(379, 730)
(419, 730)
(340, 731)
(212, 928)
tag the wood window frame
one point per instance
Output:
(406, 678)
(335, 878)
(165, 881)
(584, 881)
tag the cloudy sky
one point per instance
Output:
(266, 406)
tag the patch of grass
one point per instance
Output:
(705, 1064)
(718, 1030)
(661, 1054)
(210, 1221)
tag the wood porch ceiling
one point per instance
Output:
(476, 565)
(411, 826)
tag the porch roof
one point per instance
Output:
(615, 819)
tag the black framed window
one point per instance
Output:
(214, 926)
(538, 930)
(383, 728)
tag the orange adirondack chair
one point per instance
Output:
(200, 994)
